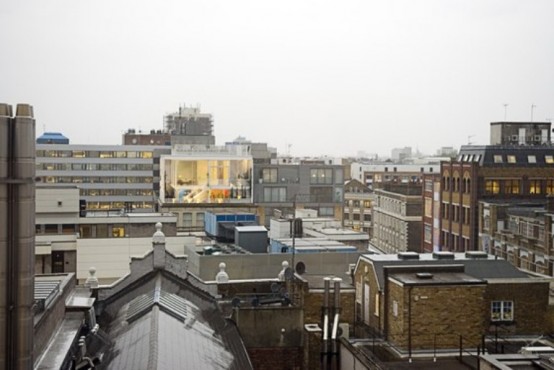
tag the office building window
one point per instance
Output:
(498, 158)
(549, 159)
(275, 194)
(321, 176)
(502, 310)
(269, 175)
(511, 159)
(118, 231)
(531, 159)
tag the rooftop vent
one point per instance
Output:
(408, 256)
(424, 275)
(476, 254)
(443, 255)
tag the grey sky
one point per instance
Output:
(327, 77)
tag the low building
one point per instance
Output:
(426, 302)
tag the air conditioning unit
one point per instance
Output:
(344, 330)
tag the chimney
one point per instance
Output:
(17, 234)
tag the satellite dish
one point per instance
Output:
(300, 268)
(236, 302)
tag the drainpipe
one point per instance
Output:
(336, 318)
(325, 346)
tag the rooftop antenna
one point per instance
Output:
(533, 106)
(505, 111)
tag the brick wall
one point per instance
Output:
(530, 305)
(276, 358)
(436, 315)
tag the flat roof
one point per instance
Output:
(250, 228)
(435, 278)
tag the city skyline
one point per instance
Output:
(318, 78)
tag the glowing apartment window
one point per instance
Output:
(534, 186)
(549, 159)
(511, 159)
(498, 158)
(511, 186)
(492, 186)
(549, 186)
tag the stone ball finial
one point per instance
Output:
(285, 264)
(92, 271)
(159, 236)
(222, 276)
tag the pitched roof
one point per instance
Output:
(172, 330)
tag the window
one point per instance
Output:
(511, 186)
(511, 159)
(534, 186)
(531, 159)
(428, 234)
(395, 308)
(498, 158)
(502, 310)
(549, 159)
(321, 176)
(275, 194)
(492, 186)
(118, 231)
(269, 175)
(549, 186)
(377, 304)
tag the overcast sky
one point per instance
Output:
(326, 77)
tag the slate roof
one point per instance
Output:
(181, 329)
(481, 268)
(484, 155)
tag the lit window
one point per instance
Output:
(498, 159)
(534, 186)
(502, 311)
(118, 231)
(492, 186)
(532, 159)
(511, 159)
(549, 159)
(511, 186)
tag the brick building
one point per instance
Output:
(427, 301)
(517, 170)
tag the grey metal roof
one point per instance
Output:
(181, 330)
(480, 268)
